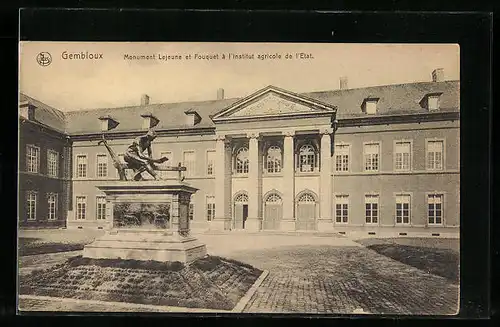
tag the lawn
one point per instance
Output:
(440, 257)
(53, 241)
(211, 282)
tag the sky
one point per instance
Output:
(114, 81)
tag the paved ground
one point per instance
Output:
(321, 275)
(342, 279)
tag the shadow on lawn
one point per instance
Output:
(440, 262)
(31, 246)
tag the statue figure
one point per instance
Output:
(137, 160)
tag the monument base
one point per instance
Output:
(137, 244)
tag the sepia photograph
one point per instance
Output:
(277, 178)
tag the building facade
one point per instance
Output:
(44, 175)
(376, 160)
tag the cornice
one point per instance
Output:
(136, 133)
(392, 119)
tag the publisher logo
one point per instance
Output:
(44, 58)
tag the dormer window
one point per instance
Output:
(26, 110)
(149, 121)
(369, 105)
(107, 123)
(192, 117)
(431, 101)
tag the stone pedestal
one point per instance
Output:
(150, 222)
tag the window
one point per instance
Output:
(433, 102)
(435, 155)
(341, 157)
(100, 208)
(241, 198)
(341, 208)
(402, 156)
(210, 162)
(169, 162)
(102, 165)
(306, 198)
(52, 163)
(273, 199)
(32, 158)
(81, 207)
(371, 107)
(210, 207)
(371, 206)
(242, 161)
(273, 159)
(435, 205)
(307, 158)
(372, 151)
(52, 206)
(31, 198)
(402, 209)
(189, 161)
(81, 166)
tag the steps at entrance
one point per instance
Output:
(270, 232)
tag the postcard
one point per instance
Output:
(239, 178)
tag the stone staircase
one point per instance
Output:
(270, 232)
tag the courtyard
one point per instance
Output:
(307, 273)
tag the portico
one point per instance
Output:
(273, 171)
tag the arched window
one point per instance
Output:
(307, 158)
(273, 159)
(306, 198)
(273, 199)
(241, 198)
(242, 161)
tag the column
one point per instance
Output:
(288, 221)
(222, 192)
(325, 221)
(254, 220)
(67, 196)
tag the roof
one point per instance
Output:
(46, 114)
(392, 99)
(398, 99)
(170, 115)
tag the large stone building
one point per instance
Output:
(375, 160)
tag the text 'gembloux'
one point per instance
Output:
(81, 55)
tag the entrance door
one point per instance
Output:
(240, 211)
(306, 212)
(273, 212)
(245, 214)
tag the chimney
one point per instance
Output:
(343, 83)
(220, 94)
(144, 100)
(438, 75)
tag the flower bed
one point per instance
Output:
(435, 256)
(211, 282)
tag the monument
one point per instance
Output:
(150, 218)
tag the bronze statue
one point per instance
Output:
(137, 160)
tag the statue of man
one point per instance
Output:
(137, 160)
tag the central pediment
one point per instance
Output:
(273, 102)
